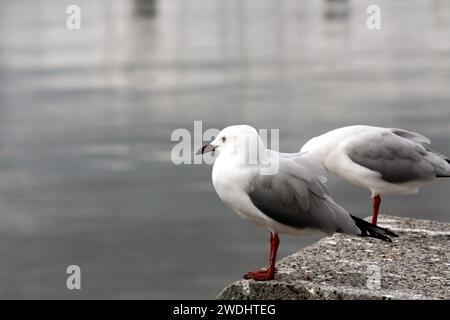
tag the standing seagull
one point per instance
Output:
(383, 160)
(291, 199)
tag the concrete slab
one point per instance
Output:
(415, 265)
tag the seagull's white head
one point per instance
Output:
(239, 139)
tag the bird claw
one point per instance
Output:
(260, 275)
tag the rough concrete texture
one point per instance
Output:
(414, 266)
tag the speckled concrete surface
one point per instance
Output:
(415, 265)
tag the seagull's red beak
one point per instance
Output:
(206, 148)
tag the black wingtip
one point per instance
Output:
(388, 232)
(373, 231)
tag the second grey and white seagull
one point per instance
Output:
(383, 160)
(292, 198)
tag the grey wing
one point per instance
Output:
(399, 156)
(413, 136)
(297, 198)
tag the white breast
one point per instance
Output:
(231, 183)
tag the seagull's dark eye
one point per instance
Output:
(224, 139)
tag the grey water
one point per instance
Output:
(86, 118)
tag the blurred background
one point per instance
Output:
(86, 118)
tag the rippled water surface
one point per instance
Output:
(86, 119)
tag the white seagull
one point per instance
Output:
(383, 160)
(290, 199)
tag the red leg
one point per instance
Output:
(269, 273)
(376, 207)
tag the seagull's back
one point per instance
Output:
(384, 160)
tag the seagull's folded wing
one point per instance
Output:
(296, 196)
(399, 156)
